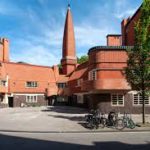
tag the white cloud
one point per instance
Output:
(88, 35)
(44, 46)
(36, 55)
(125, 14)
(124, 9)
(10, 9)
(47, 50)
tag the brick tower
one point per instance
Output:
(69, 59)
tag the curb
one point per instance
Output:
(88, 131)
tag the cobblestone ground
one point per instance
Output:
(56, 119)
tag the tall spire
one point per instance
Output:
(69, 55)
(68, 3)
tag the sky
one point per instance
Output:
(35, 27)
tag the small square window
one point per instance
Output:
(117, 100)
(138, 101)
(31, 99)
(31, 84)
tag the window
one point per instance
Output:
(62, 85)
(93, 75)
(2, 82)
(137, 100)
(117, 100)
(31, 84)
(31, 99)
(80, 99)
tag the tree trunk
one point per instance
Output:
(143, 106)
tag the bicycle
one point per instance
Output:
(114, 121)
(129, 123)
(95, 120)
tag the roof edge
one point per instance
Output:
(113, 35)
(25, 64)
(109, 48)
(132, 17)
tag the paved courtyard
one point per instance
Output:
(42, 119)
(47, 119)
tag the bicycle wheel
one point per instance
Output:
(131, 124)
(119, 124)
(103, 122)
(90, 124)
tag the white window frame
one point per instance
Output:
(139, 99)
(62, 85)
(34, 84)
(93, 74)
(117, 95)
(3, 83)
(31, 98)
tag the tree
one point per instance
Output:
(82, 59)
(138, 64)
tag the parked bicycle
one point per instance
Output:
(114, 121)
(129, 123)
(95, 120)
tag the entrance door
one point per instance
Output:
(10, 101)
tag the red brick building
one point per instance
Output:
(99, 82)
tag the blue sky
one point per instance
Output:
(35, 27)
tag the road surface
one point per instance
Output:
(75, 141)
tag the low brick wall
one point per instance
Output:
(3, 105)
(18, 100)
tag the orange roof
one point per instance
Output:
(79, 72)
(20, 73)
(62, 79)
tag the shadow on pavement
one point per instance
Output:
(20, 143)
(65, 109)
(72, 118)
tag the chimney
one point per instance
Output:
(4, 50)
(114, 40)
(1, 49)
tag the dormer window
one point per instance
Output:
(3, 82)
(61, 85)
(31, 84)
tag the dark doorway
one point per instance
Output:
(10, 101)
(52, 100)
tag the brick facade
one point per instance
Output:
(103, 102)
(89, 84)
(18, 100)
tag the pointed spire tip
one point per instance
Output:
(69, 5)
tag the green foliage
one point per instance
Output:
(59, 66)
(82, 59)
(138, 64)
